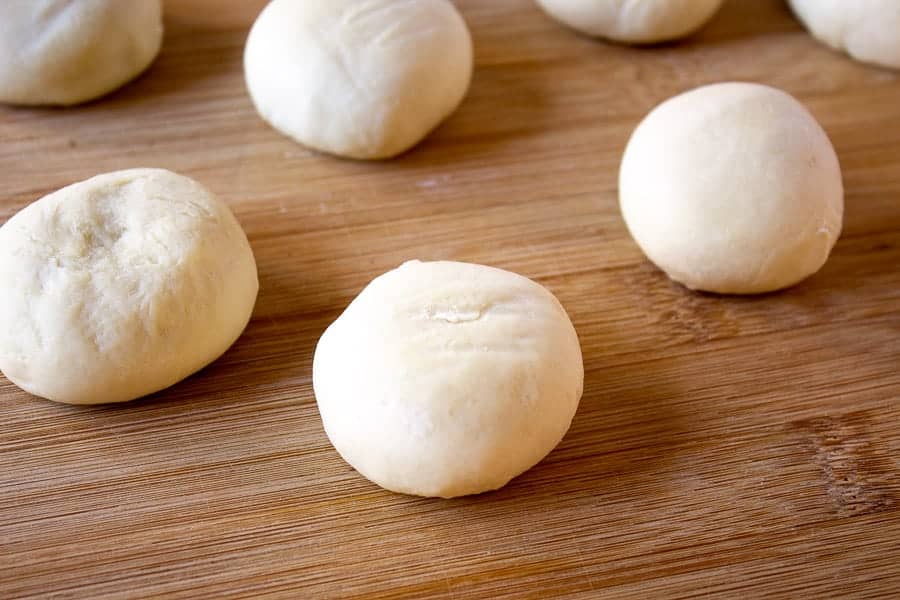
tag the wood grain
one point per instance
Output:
(725, 447)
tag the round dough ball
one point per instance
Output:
(732, 188)
(630, 22)
(363, 79)
(119, 286)
(65, 52)
(447, 379)
(867, 30)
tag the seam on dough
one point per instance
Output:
(455, 316)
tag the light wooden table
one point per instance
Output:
(730, 447)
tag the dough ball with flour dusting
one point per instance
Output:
(867, 30)
(447, 379)
(64, 52)
(633, 22)
(364, 79)
(119, 286)
(732, 188)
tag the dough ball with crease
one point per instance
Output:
(732, 188)
(121, 285)
(447, 378)
(64, 52)
(363, 79)
(633, 22)
(867, 30)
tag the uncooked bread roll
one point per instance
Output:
(363, 79)
(630, 22)
(119, 286)
(732, 188)
(867, 30)
(70, 51)
(447, 379)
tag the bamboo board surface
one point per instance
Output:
(730, 447)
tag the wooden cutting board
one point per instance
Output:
(729, 447)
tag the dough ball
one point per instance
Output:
(732, 188)
(867, 30)
(362, 79)
(630, 22)
(119, 286)
(70, 51)
(447, 379)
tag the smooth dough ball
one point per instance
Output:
(363, 79)
(447, 379)
(867, 30)
(630, 22)
(64, 52)
(119, 286)
(732, 188)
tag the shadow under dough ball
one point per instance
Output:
(65, 52)
(365, 79)
(732, 188)
(631, 22)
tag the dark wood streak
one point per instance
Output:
(858, 474)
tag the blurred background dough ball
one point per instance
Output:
(732, 188)
(867, 30)
(64, 52)
(633, 22)
(363, 79)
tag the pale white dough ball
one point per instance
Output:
(119, 286)
(364, 79)
(63, 52)
(867, 30)
(447, 379)
(633, 22)
(732, 188)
